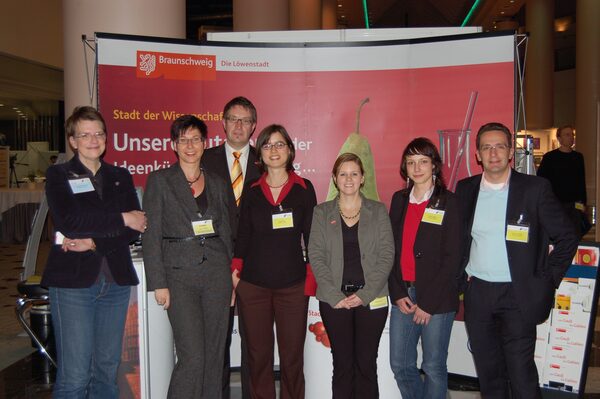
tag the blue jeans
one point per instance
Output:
(435, 337)
(88, 329)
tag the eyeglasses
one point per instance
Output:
(278, 146)
(185, 141)
(245, 121)
(88, 136)
(497, 147)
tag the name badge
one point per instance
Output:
(58, 238)
(433, 216)
(579, 206)
(283, 219)
(203, 227)
(379, 303)
(517, 233)
(83, 185)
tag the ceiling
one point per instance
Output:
(36, 89)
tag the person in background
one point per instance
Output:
(510, 275)
(565, 169)
(351, 250)
(423, 285)
(96, 214)
(235, 162)
(187, 252)
(269, 271)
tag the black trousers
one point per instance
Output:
(354, 335)
(244, 374)
(502, 341)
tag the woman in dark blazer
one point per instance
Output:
(89, 273)
(187, 252)
(269, 270)
(351, 251)
(423, 281)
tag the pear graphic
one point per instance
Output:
(359, 145)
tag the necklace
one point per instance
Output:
(190, 183)
(348, 217)
(281, 185)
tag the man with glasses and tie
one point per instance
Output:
(235, 161)
(509, 219)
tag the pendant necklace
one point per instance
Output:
(190, 183)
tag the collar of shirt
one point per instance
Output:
(293, 178)
(243, 157)
(487, 186)
(413, 200)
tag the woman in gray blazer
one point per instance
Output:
(187, 252)
(351, 252)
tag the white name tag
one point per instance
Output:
(284, 220)
(433, 216)
(58, 238)
(203, 227)
(517, 233)
(83, 185)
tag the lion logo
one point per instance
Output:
(147, 63)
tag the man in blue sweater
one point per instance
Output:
(509, 219)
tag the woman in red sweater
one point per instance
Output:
(423, 286)
(269, 269)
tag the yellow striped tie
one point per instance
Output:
(237, 178)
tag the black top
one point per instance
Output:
(353, 272)
(202, 203)
(273, 258)
(566, 173)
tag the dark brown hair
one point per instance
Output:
(423, 146)
(488, 127)
(264, 137)
(185, 122)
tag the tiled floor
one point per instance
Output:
(21, 379)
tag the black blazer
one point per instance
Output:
(534, 273)
(436, 251)
(85, 215)
(215, 160)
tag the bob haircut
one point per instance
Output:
(423, 146)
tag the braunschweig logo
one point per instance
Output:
(147, 63)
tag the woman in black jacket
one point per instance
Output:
(422, 283)
(89, 273)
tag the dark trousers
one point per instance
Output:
(259, 308)
(354, 335)
(502, 341)
(199, 314)
(244, 372)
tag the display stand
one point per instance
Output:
(563, 361)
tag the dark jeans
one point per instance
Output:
(88, 328)
(354, 335)
(502, 341)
